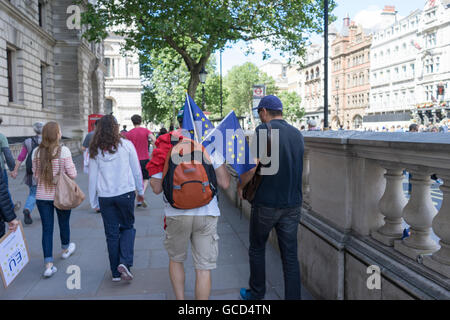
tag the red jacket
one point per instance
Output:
(163, 145)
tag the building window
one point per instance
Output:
(108, 67)
(41, 13)
(437, 63)
(108, 106)
(431, 40)
(44, 76)
(10, 61)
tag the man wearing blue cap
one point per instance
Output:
(277, 201)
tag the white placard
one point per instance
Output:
(13, 255)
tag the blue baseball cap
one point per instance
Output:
(270, 102)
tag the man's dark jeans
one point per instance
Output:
(118, 219)
(285, 222)
(47, 213)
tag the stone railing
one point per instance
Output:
(350, 234)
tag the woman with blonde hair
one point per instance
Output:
(47, 161)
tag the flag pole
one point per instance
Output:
(209, 134)
(192, 118)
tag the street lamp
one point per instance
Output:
(203, 75)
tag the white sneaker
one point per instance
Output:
(69, 251)
(116, 279)
(50, 271)
(125, 274)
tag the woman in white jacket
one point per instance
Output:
(114, 176)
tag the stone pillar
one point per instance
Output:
(440, 260)
(418, 213)
(305, 178)
(391, 206)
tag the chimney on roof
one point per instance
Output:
(389, 15)
(347, 21)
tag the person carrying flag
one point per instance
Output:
(197, 225)
(277, 201)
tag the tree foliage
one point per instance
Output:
(165, 83)
(239, 83)
(195, 29)
(292, 111)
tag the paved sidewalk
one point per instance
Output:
(150, 260)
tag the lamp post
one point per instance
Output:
(221, 92)
(325, 109)
(203, 75)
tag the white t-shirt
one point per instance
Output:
(211, 209)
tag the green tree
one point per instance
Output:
(239, 83)
(292, 111)
(195, 29)
(164, 87)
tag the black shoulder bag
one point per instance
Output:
(249, 191)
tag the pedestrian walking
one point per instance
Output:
(6, 208)
(49, 159)
(114, 176)
(196, 225)
(27, 150)
(7, 159)
(124, 130)
(276, 204)
(140, 137)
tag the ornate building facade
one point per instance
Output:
(48, 71)
(393, 73)
(123, 83)
(350, 80)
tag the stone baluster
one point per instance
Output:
(419, 214)
(391, 206)
(305, 179)
(440, 260)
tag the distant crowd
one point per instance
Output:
(413, 127)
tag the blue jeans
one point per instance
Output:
(31, 200)
(285, 222)
(118, 219)
(46, 211)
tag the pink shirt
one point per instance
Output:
(43, 193)
(139, 137)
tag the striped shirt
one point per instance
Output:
(43, 193)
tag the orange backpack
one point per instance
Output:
(189, 179)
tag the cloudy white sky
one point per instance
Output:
(365, 12)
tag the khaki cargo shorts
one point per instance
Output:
(201, 231)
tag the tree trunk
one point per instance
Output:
(194, 80)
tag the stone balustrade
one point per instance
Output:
(354, 209)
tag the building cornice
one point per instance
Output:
(19, 16)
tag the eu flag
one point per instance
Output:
(195, 121)
(228, 139)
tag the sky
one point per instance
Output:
(365, 12)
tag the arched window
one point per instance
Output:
(357, 122)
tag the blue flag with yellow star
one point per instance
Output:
(193, 117)
(228, 139)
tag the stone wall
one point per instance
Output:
(73, 69)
